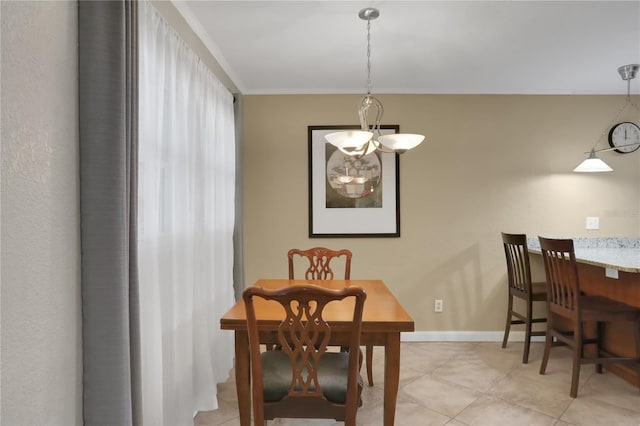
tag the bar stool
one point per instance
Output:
(520, 286)
(565, 300)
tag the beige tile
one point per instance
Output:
(304, 422)
(372, 396)
(227, 391)
(612, 389)
(414, 363)
(470, 371)
(454, 422)
(548, 398)
(226, 414)
(424, 357)
(407, 375)
(441, 396)
(517, 347)
(558, 372)
(503, 359)
(471, 383)
(232, 422)
(562, 423)
(588, 411)
(492, 356)
(408, 413)
(496, 412)
(447, 350)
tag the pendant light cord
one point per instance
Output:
(627, 102)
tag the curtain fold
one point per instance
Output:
(107, 61)
(186, 223)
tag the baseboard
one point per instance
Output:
(465, 336)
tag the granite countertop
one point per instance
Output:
(621, 253)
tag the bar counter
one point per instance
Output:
(622, 254)
(607, 267)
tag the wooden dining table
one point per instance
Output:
(382, 322)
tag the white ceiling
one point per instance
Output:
(502, 47)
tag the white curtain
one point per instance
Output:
(186, 219)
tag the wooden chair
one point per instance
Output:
(565, 300)
(319, 268)
(303, 379)
(521, 286)
(319, 259)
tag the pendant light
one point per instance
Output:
(368, 139)
(593, 163)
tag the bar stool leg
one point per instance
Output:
(547, 347)
(507, 327)
(577, 356)
(527, 335)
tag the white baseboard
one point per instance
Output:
(464, 336)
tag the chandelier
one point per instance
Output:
(368, 139)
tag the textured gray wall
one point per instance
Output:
(40, 299)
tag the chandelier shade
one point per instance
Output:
(350, 141)
(401, 142)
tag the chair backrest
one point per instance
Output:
(304, 336)
(518, 268)
(563, 287)
(319, 262)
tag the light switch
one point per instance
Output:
(593, 222)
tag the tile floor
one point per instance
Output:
(459, 383)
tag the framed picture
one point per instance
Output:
(349, 196)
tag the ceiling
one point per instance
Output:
(476, 47)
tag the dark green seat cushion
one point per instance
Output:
(332, 375)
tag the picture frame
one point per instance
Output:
(351, 197)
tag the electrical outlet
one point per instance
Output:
(437, 307)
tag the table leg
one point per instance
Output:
(391, 377)
(243, 376)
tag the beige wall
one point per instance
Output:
(41, 315)
(489, 164)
